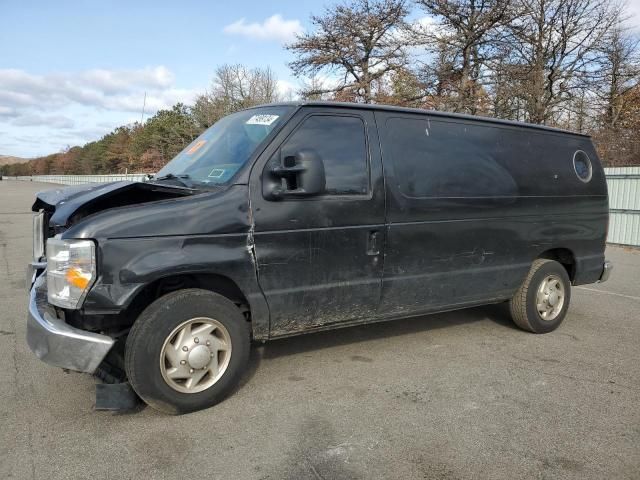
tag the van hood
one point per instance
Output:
(67, 205)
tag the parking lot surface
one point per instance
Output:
(451, 396)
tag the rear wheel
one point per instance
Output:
(187, 350)
(542, 301)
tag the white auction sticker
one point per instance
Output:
(262, 119)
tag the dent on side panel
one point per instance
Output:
(251, 244)
(143, 261)
(214, 240)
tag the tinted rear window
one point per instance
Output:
(446, 159)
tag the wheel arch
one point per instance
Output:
(134, 272)
(564, 257)
(213, 282)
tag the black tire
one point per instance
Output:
(523, 306)
(155, 324)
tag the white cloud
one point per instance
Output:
(157, 100)
(286, 90)
(633, 10)
(111, 81)
(273, 28)
(426, 21)
(79, 106)
(55, 121)
(429, 25)
(22, 93)
(7, 111)
(107, 89)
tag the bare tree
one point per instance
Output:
(617, 93)
(441, 78)
(619, 72)
(239, 87)
(403, 87)
(467, 31)
(505, 79)
(313, 88)
(358, 41)
(556, 42)
(234, 88)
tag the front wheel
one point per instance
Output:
(187, 350)
(542, 301)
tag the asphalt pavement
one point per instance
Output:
(461, 395)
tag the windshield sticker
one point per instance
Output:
(262, 119)
(196, 146)
(217, 173)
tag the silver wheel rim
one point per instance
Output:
(550, 298)
(195, 355)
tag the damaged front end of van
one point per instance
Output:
(103, 254)
(63, 270)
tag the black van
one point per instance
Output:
(291, 218)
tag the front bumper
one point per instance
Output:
(57, 343)
(606, 271)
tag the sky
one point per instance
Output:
(71, 71)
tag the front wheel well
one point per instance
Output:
(112, 370)
(563, 256)
(206, 281)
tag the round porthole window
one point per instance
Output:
(582, 165)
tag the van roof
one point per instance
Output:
(435, 113)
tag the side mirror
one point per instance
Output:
(298, 175)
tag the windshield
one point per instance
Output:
(216, 155)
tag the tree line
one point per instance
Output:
(566, 63)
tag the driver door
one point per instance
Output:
(319, 258)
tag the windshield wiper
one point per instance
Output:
(180, 178)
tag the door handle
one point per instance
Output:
(373, 243)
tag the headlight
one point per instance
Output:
(71, 270)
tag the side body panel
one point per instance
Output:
(314, 260)
(203, 234)
(514, 194)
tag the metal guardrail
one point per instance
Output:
(79, 179)
(623, 184)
